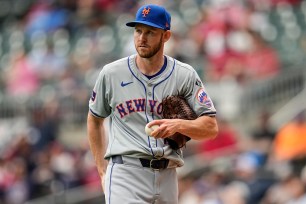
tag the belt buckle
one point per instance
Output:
(152, 167)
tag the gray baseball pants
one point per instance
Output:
(128, 182)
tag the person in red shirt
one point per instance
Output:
(225, 143)
(261, 61)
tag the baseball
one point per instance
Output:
(149, 130)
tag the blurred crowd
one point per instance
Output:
(266, 167)
(52, 50)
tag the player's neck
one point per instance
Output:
(150, 66)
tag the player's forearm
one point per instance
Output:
(97, 142)
(204, 127)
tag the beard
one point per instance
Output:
(152, 50)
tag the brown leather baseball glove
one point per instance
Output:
(177, 107)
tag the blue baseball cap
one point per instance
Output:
(152, 15)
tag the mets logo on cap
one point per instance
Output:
(203, 98)
(145, 11)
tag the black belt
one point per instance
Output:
(155, 164)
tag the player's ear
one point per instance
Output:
(167, 35)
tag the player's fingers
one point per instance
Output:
(159, 132)
(156, 122)
(155, 133)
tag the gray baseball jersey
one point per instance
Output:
(131, 100)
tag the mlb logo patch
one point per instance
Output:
(203, 98)
(198, 83)
(93, 96)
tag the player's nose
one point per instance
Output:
(142, 37)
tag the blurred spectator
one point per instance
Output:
(206, 189)
(224, 145)
(21, 78)
(290, 140)
(45, 123)
(263, 137)
(220, 22)
(289, 188)
(45, 16)
(53, 70)
(19, 190)
(247, 170)
(263, 130)
(188, 191)
(232, 48)
(62, 164)
(235, 193)
(42, 174)
(261, 60)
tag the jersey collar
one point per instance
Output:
(161, 75)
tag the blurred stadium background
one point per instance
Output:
(249, 53)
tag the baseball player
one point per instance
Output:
(136, 167)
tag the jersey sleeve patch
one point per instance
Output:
(203, 98)
(93, 96)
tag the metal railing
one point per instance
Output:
(272, 95)
(289, 111)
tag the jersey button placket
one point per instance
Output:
(149, 89)
(149, 96)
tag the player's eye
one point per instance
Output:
(150, 33)
(138, 31)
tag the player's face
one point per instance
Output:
(148, 40)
